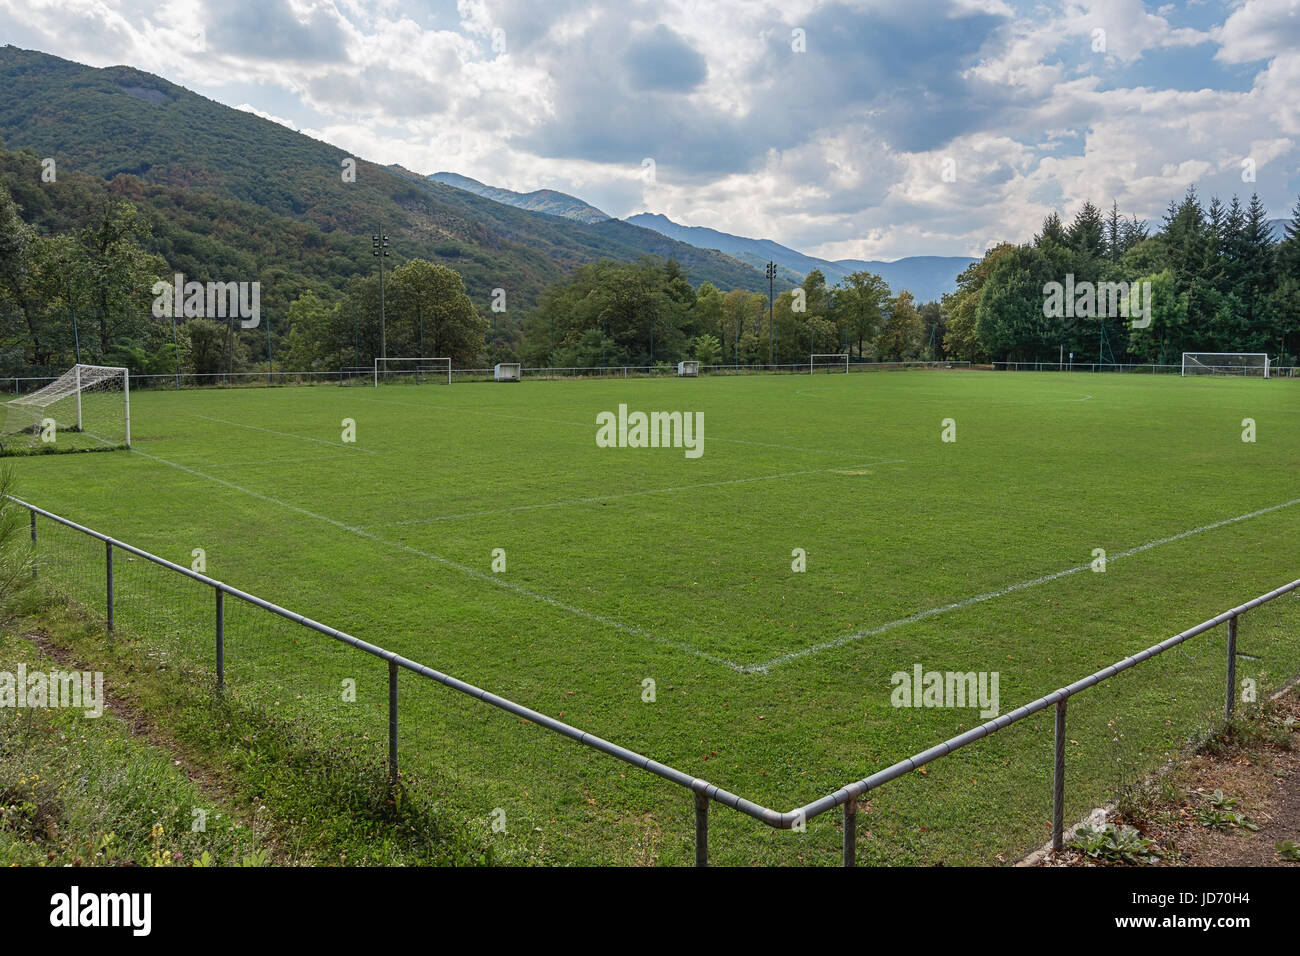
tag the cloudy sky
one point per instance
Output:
(846, 129)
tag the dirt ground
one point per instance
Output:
(1256, 762)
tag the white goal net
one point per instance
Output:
(828, 362)
(88, 406)
(1226, 363)
(413, 371)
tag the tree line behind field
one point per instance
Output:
(78, 264)
(1220, 281)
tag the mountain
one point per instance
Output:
(235, 196)
(541, 200)
(926, 277)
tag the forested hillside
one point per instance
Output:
(229, 196)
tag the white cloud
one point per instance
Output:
(836, 150)
(249, 108)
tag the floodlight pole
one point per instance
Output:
(771, 326)
(175, 345)
(380, 244)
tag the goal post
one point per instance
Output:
(1226, 363)
(413, 370)
(88, 406)
(832, 361)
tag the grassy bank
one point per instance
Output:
(174, 775)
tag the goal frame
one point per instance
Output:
(77, 370)
(1267, 366)
(814, 356)
(380, 363)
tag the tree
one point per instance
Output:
(1285, 300)
(962, 341)
(900, 335)
(1256, 276)
(1086, 234)
(116, 272)
(1168, 313)
(1052, 232)
(708, 313)
(933, 321)
(642, 312)
(15, 266)
(1009, 319)
(741, 312)
(707, 348)
(433, 315)
(318, 338)
(209, 351)
(859, 303)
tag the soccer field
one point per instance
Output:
(627, 565)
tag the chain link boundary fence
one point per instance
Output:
(1135, 716)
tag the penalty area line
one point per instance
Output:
(766, 666)
(634, 494)
(560, 421)
(272, 431)
(464, 569)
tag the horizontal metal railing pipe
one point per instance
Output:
(766, 815)
(588, 739)
(833, 800)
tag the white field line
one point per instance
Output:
(633, 494)
(464, 569)
(272, 431)
(592, 425)
(766, 666)
(256, 462)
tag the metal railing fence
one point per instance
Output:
(703, 792)
(1136, 368)
(364, 375)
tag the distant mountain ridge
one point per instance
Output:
(539, 200)
(926, 277)
(235, 194)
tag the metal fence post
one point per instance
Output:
(1232, 668)
(221, 638)
(851, 832)
(701, 830)
(34, 545)
(392, 725)
(1058, 779)
(108, 559)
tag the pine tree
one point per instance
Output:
(1114, 233)
(1257, 259)
(1086, 234)
(1053, 231)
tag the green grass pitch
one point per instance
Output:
(624, 565)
